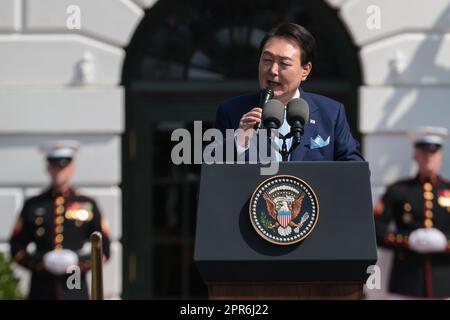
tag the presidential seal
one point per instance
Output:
(284, 210)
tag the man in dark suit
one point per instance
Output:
(413, 219)
(59, 222)
(286, 61)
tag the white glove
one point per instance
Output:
(427, 240)
(57, 261)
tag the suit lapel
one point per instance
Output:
(306, 96)
(300, 152)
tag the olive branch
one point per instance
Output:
(264, 220)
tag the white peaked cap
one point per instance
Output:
(61, 149)
(429, 135)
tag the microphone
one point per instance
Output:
(297, 115)
(273, 114)
(265, 95)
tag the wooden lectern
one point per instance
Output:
(330, 263)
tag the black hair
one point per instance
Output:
(300, 34)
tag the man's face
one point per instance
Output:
(280, 67)
(60, 175)
(429, 162)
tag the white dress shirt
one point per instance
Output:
(284, 130)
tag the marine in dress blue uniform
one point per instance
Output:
(59, 222)
(413, 220)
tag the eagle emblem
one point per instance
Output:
(283, 209)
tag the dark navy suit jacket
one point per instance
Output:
(327, 119)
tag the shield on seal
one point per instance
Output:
(284, 217)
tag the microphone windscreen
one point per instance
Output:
(297, 110)
(273, 111)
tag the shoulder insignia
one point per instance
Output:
(379, 208)
(18, 226)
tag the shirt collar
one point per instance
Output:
(432, 180)
(296, 95)
(54, 194)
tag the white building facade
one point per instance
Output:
(59, 81)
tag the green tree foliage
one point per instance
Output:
(9, 284)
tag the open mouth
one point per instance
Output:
(273, 83)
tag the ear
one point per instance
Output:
(306, 69)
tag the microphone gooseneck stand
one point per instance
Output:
(285, 153)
